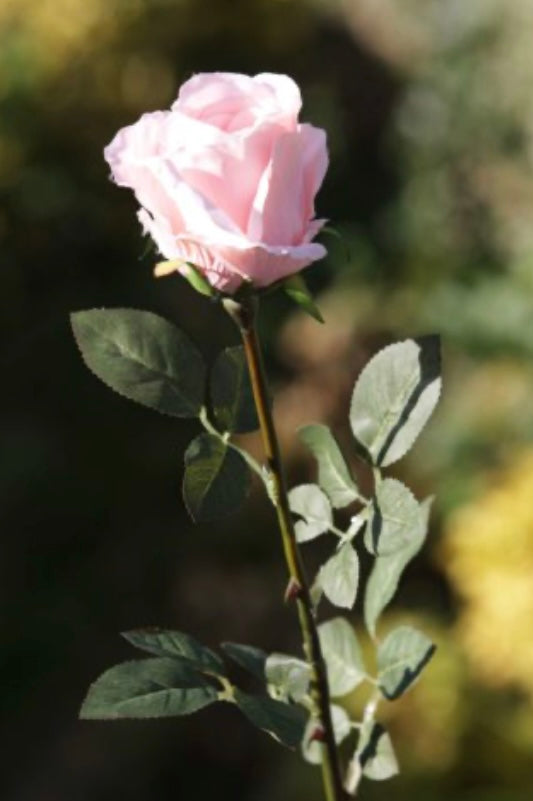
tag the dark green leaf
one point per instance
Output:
(296, 288)
(231, 392)
(285, 722)
(394, 398)
(343, 656)
(333, 474)
(401, 657)
(339, 577)
(312, 504)
(387, 570)
(251, 659)
(162, 642)
(216, 480)
(148, 688)
(396, 518)
(142, 357)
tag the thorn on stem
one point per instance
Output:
(293, 591)
(318, 734)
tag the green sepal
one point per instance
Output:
(296, 288)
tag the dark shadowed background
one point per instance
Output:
(428, 110)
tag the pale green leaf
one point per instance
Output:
(333, 474)
(285, 722)
(231, 392)
(343, 656)
(339, 577)
(143, 357)
(396, 518)
(287, 676)
(401, 657)
(387, 570)
(216, 480)
(376, 753)
(312, 504)
(394, 397)
(148, 688)
(163, 642)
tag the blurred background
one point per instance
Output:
(427, 104)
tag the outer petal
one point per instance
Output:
(263, 265)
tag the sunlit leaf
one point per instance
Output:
(394, 397)
(339, 577)
(142, 357)
(287, 676)
(216, 480)
(396, 518)
(401, 657)
(312, 504)
(343, 656)
(333, 474)
(387, 570)
(312, 748)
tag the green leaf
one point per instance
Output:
(333, 474)
(396, 518)
(401, 657)
(231, 392)
(162, 642)
(387, 570)
(312, 504)
(311, 748)
(142, 357)
(339, 577)
(343, 656)
(376, 753)
(285, 722)
(394, 397)
(216, 480)
(287, 676)
(147, 688)
(296, 288)
(251, 659)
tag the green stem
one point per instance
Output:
(244, 313)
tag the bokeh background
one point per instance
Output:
(427, 104)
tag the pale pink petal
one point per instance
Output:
(316, 160)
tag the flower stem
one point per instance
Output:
(245, 313)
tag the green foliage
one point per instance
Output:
(285, 722)
(394, 396)
(311, 747)
(147, 688)
(288, 677)
(343, 656)
(296, 288)
(162, 642)
(216, 480)
(333, 474)
(231, 392)
(312, 504)
(251, 659)
(401, 657)
(396, 518)
(376, 754)
(339, 577)
(387, 570)
(142, 357)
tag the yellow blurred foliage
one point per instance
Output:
(488, 556)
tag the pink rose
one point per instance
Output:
(227, 178)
